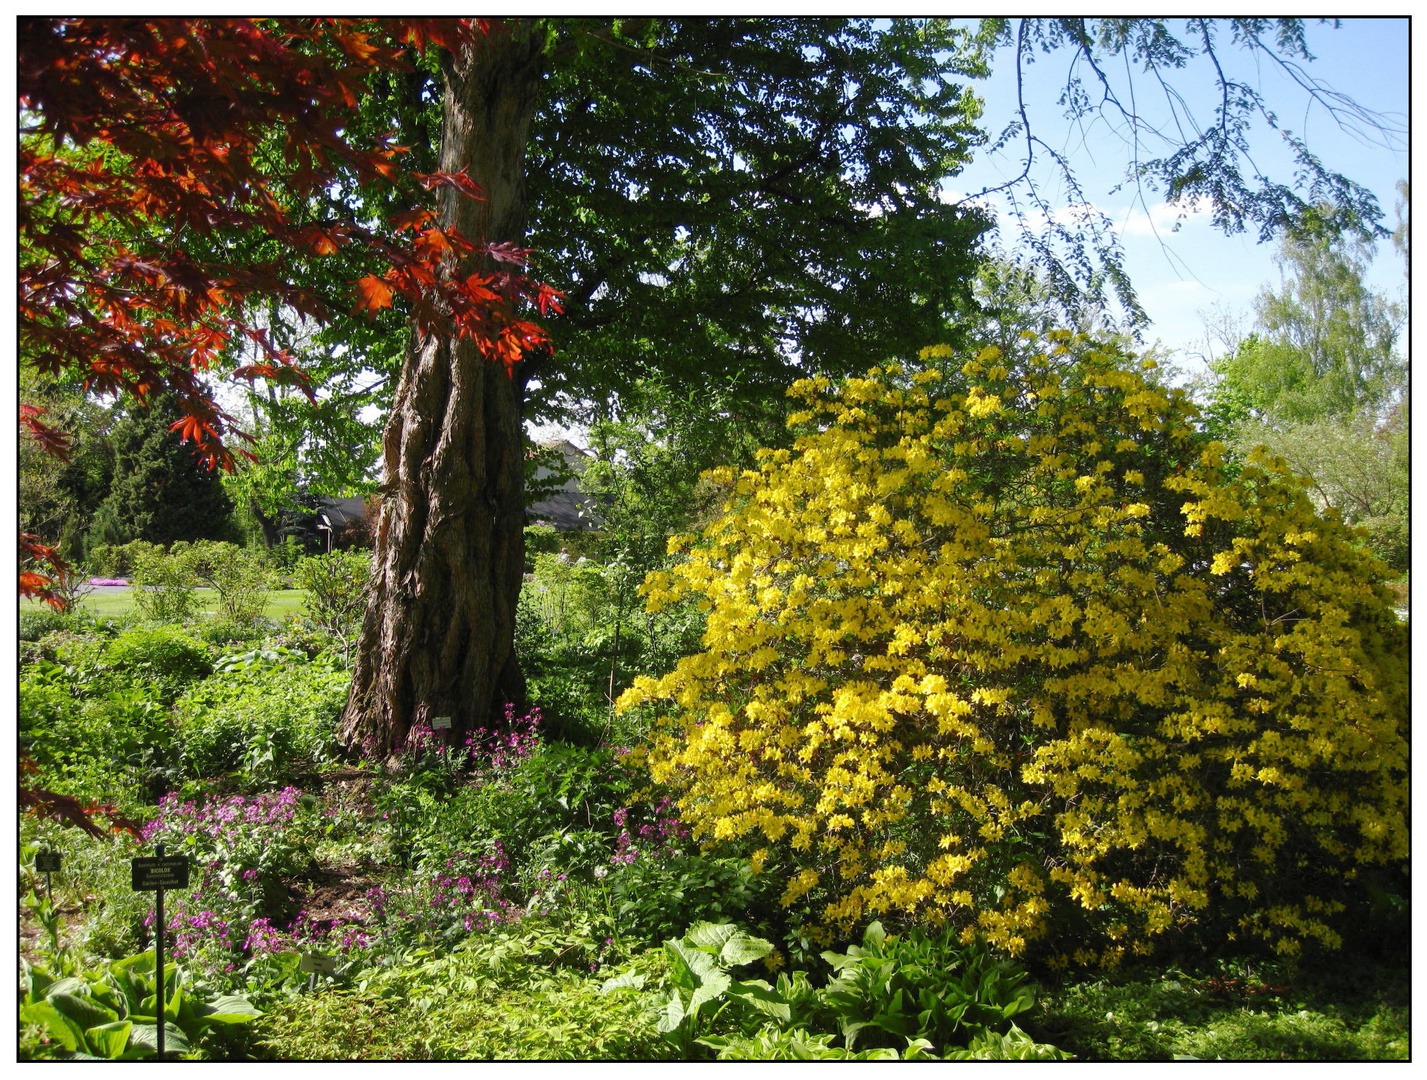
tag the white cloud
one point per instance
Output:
(1129, 220)
(1162, 217)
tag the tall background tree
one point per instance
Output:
(59, 496)
(1322, 380)
(160, 492)
(759, 198)
(1324, 344)
(714, 196)
(169, 179)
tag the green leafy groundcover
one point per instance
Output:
(112, 1012)
(470, 1004)
(891, 998)
(1242, 1014)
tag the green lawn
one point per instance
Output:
(280, 603)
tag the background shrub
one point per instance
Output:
(162, 658)
(163, 585)
(240, 577)
(261, 720)
(120, 560)
(1005, 645)
(35, 623)
(336, 585)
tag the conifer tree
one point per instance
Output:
(161, 491)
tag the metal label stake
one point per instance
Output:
(155, 874)
(47, 862)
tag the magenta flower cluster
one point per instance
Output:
(465, 891)
(223, 819)
(240, 849)
(424, 749)
(502, 751)
(485, 750)
(303, 933)
(660, 837)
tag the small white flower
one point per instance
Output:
(601, 871)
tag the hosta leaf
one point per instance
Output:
(227, 1010)
(109, 1040)
(139, 962)
(83, 1011)
(147, 1036)
(65, 986)
(37, 981)
(60, 1028)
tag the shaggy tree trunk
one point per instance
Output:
(438, 636)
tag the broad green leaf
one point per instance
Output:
(838, 960)
(744, 949)
(109, 1040)
(880, 1053)
(140, 962)
(147, 1036)
(83, 1011)
(711, 989)
(701, 974)
(672, 1015)
(919, 1050)
(37, 980)
(1025, 999)
(696, 964)
(633, 980)
(66, 986)
(61, 1028)
(850, 1028)
(175, 1007)
(710, 936)
(762, 997)
(227, 1010)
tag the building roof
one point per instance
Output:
(569, 509)
(336, 514)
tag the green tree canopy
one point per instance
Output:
(161, 492)
(1326, 344)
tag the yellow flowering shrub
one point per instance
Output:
(1000, 642)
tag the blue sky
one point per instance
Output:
(1180, 274)
(1183, 276)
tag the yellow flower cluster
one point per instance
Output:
(999, 641)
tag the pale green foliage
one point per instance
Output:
(239, 576)
(1325, 344)
(111, 1012)
(336, 587)
(490, 998)
(1358, 467)
(163, 586)
(1321, 383)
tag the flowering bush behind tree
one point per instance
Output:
(1007, 645)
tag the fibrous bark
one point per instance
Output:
(438, 636)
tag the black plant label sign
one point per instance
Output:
(154, 872)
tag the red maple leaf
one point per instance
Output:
(373, 294)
